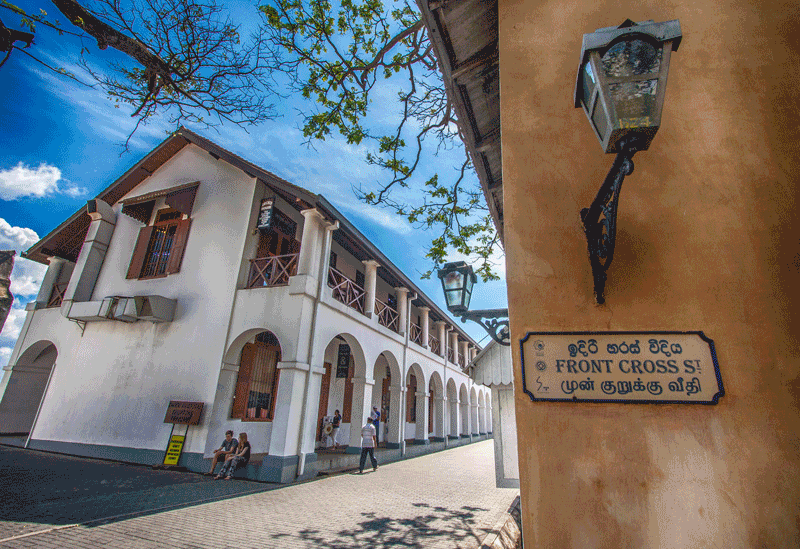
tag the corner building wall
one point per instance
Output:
(707, 239)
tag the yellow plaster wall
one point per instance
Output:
(708, 239)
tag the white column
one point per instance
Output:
(288, 408)
(454, 345)
(425, 320)
(311, 243)
(49, 280)
(421, 433)
(402, 309)
(370, 283)
(360, 410)
(464, 351)
(396, 417)
(473, 417)
(440, 405)
(473, 352)
(440, 324)
(456, 421)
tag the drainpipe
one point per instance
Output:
(323, 277)
(90, 260)
(403, 400)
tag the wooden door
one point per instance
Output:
(323, 397)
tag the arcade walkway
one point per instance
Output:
(441, 500)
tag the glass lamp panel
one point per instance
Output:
(631, 58)
(453, 280)
(634, 102)
(588, 84)
(453, 297)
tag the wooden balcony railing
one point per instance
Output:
(451, 355)
(272, 271)
(57, 295)
(416, 334)
(387, 316)
(434, 343)
(346, 291)
(462, 361)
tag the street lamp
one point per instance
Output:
(621, 83)
(457, 280)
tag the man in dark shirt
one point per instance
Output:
(237, 460)
(227, 447)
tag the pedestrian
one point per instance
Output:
(227, 447)
(337, 420)
(375, 416)
(236, 460)
(367, 446)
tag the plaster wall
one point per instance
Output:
(707, 239)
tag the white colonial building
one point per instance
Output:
(165, 289)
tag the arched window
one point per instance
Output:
(257, 383)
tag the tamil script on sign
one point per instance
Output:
(675, 367)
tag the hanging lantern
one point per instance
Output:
(457, 281)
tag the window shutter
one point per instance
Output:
(139, 252)
(243, 381)
(347, 405)
(178, 246)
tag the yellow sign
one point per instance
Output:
(646, 367)
(174, 449)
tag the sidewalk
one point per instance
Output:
(441, 500)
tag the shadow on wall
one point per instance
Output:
(432, 525)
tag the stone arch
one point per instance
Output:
(464, 409)
(452, 401)
(436, 404)
(26, 387)
(416, 404)
(387, 384)
(343, 387)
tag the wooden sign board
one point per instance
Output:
(640, 367)
(265, 213)
(185, 413)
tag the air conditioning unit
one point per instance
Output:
(155, 308)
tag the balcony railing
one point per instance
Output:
(387, 316)
(435, 347)
(346, 291)
(450, 355)
(57, 295)
(416, 334)
(462, 361)
(272, 271)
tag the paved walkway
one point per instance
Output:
(441, 500)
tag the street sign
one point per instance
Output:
(640, 367)
(186, 413)
(174, 449)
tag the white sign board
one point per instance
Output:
(641, 367)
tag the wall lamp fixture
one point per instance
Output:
(457, 281)
(622, 80)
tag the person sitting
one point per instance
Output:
(227, 447)
(236, 460)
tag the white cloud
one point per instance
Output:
(13, 325)
(384, 218)
(5, 354)
(27, 275)
(23, 181)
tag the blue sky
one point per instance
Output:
(61, 143)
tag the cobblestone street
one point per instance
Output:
(446, 499)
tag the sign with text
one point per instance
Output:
(174, 449)
(185, 413)
(343, 361)
(265, 213)
(642, 367)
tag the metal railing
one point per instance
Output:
(434, 344)
(416, 334)
(272, 271)
(57, 295)
(387, 316)
(346, 291)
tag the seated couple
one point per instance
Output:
(236, 453)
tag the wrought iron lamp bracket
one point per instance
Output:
(494, 321)
(601, 234)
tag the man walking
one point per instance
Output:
(367, 446)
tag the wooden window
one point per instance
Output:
(430, 410)
(332, 260)
(391, 301)
(257, 382)
(159, 248)
(347, 405)
(411, 400)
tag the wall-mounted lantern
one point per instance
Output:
(622, 80)
(457, 280)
